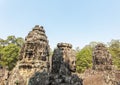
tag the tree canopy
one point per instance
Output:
(9, 51)
(114, 48)
(84, 58)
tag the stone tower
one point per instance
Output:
(33, 58)
(35, 51)
(102, 59)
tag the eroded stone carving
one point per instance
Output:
(63, 64)
(33, 57)
(102, 59)
(103, 72)
(63, 54)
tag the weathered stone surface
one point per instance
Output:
(93, 77)
(64, 57)
(39, 78)
(33, 57)
(103, 72)
(2, 75)
(63, 64)
(54, 79)
(102, 59)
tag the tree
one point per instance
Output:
(9, 56)
(11, 39)
(114, 48)
(9, 50)
(19, 41)
(84, 59)
(3, 42)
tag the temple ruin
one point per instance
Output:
(63, 67)
(103, 71)
(35, 68)
(102, 59)
(33, 58)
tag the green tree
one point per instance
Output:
(19, 41)
(9, 50)
(3, 42)
(84, 59)
(114, 48)
(11, 39)
(9, 56)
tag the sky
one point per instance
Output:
(78, 22)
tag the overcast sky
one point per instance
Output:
(74, 21)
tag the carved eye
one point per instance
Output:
(73, 62)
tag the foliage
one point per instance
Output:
(114, 48)
(9, 55)
(84, 59)
(12, 39)
(9, 50)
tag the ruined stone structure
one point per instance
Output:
(63, 64)
(34, 68)
(33, 57)
(35, 51)
(103, 71)
(102, 59)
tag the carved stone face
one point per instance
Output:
(72, 64)
(70, 59)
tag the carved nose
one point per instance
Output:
(74, 66)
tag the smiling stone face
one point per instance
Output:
(64, 59)
(70, 59)
(72, 63)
